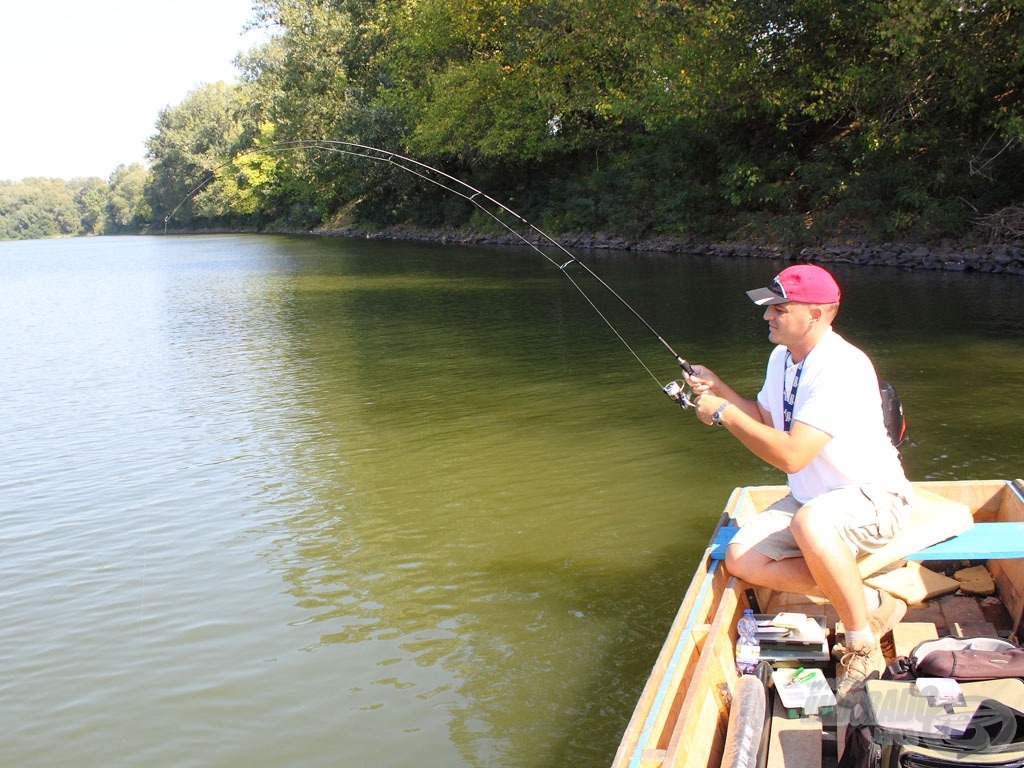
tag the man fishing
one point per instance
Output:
(818, 418)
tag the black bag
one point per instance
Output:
(892, 725)
(892, 413)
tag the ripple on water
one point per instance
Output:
(272, 501)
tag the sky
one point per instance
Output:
(84, 80)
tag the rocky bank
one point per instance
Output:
(1003, 258)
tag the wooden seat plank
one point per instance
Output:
(981, 540)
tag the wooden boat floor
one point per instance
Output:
(957, 615)
(947, 613)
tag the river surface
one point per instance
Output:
(284, 501)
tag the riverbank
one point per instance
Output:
(1000, 258)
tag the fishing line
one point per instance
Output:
(493, 209)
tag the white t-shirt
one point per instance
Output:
(838, 394)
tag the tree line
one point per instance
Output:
(37, 208)
(794, 120)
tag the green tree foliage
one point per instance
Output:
(785, 119)
(91, 200)
(318, 78)
(127, 209)
(193, 140)
(889, 115)
(39, 208)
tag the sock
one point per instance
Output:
(872, 598)
(860, 636)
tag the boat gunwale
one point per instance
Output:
(641, 745)
(651, 706)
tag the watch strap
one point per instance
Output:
(716, 417)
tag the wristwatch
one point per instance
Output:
(716, 417)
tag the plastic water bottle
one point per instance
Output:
(748, 647)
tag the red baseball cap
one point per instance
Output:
(806, 283)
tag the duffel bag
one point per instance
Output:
(960, 658)
(967, 659)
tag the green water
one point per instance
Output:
(277, 501)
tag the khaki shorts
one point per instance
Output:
(866, 517)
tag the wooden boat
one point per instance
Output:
(682, 716)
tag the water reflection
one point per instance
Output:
(448, 481)
(390, 497)
(442, 477)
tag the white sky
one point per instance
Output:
(84, 80)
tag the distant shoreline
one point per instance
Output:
(947, 255)
(1000, 258)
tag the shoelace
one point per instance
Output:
(848, 659)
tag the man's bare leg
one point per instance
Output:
(827, 568)
(832, 565)
(788, 575)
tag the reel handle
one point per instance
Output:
(680, 391)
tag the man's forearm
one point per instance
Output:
(789, 451)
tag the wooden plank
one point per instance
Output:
(1009, 574)
(1011, 503)
(794, 742)
(973, 629)
(928, 613)
(913, 583)
(699, 738)
(756, 499)
(681, 676)
(658, 700)
(984, 497)
(654, 716)
(699, 732)
(908, 634)
(1009, 578)
(961, 609)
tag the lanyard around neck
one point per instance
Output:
(789, 397)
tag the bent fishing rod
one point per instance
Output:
(677, 390)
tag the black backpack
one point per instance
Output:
(892, 413)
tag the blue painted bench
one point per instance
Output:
(979, 542)
(938, 529)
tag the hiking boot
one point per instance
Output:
(860, 662)
(887, 615)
